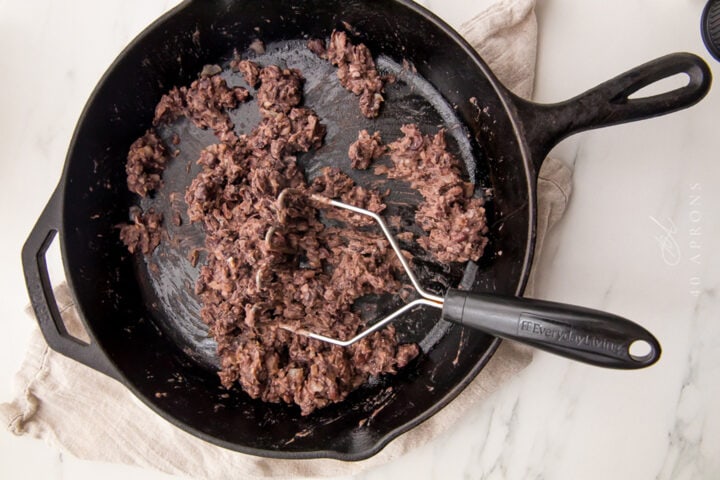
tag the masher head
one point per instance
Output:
(426, 297)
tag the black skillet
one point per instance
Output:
(142, 318)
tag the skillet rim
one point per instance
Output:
(505, 99)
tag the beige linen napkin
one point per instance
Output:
(93, 417)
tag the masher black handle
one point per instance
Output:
(590, 336)
(612, 102)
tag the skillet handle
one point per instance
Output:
(577, 333)
(609, 103)
(42, 298)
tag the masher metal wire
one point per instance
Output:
(426, 298)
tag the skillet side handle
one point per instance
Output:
(41, 294)
(578, 333)
(607, 104)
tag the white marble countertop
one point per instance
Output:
(637, 189)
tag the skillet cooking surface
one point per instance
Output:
(143, 319)
(168, 276)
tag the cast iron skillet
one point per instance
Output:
(142, 318)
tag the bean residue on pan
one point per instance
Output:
(144, 233)
(453, 219)
(205, 103)
(145, 163)
(365, 149)
(274, 260)
(356, 70)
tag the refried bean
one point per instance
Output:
(365, 149)
(453, 219)
(356, 70)
(144, 233)
(271, 265)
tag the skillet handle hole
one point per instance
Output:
(667, 84)
(61, 293)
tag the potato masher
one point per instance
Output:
(591, 336)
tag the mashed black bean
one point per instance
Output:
(451, 216)
(269, 264)
(144, 233)
(274, 262)
(365, 149)
(356, 70)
